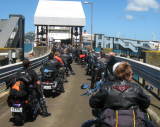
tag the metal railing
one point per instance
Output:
(10, 70)
(147, 74)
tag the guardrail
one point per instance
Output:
(147, 74)
(10, 70)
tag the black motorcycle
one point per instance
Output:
(98, 72)
(98, 121)
(91, 62)
(24, 109)
(51, 81)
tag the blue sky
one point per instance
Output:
(137, 19)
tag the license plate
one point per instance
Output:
(13, 109)
(47, 87)
(47, 83)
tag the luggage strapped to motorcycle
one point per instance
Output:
(134, 118)
(135, 115)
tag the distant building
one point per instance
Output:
(155, 45)
(102, 41)
(86, 37)
(121, 45)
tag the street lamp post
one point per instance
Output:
(113, 44)
(91, 20)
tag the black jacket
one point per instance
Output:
(110, 63)
(109, 68)
(120, 95)
(51, 64)
(66, 58)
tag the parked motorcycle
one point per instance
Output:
(24, 110)
(98, 73)
(91, 61)
(51, 81)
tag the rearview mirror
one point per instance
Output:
(84, 86)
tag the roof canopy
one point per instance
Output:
(59, 13)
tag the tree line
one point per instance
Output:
(29, 37)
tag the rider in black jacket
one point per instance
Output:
(67, 60)
(37, 87)
(120, 95)
(109, 66)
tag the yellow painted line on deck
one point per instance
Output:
(7, 48)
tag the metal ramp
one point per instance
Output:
(11, 31)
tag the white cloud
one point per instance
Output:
(129, 17)
(142, 5)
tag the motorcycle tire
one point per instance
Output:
(47, 93)
(19, 119)
(34, 116)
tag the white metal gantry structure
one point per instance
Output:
(52, 16)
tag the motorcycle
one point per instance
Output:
(50, 81)
(90, 65)
(24, 110)
(18, 112)
(82, 58)
(98, 73)
(97, 112)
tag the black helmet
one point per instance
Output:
(26, 63)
